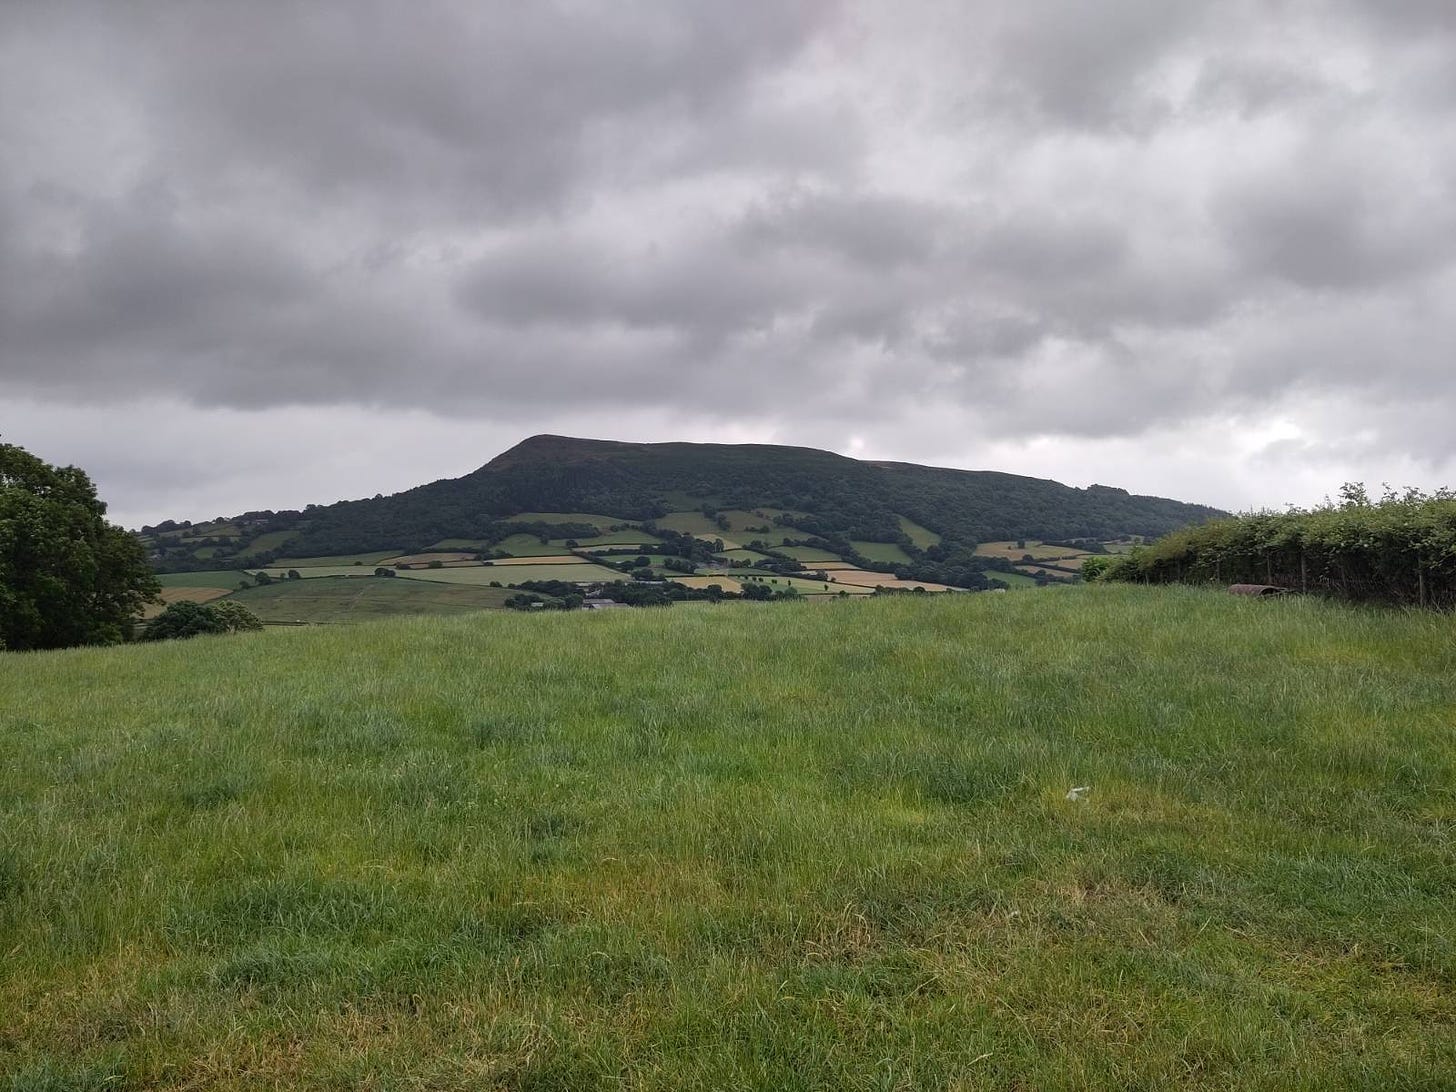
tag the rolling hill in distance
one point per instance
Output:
(813, 493)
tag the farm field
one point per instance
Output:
(922, 537)
(808, 554)
(181, 594)
(866, 579)
(506, 574)
(727, 583)
(1037, 550)
(545, 559)
(1013, 581)
(527, 546)
(881, 551)
(831, 848)
(335, 561)
(356, 599)
(212, 578)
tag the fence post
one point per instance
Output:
(1303, 574)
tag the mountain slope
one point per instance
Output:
(821, 494)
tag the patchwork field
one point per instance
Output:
(921, 536)
(178, 594)
(353, 599)
(727, 583)
(547, 559)
(881, 551)
(507, 574)
(213, 578)
(335, 561)
(1038, 551)
(865, 579)
(830, 848)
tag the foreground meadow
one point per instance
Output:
(789, 846)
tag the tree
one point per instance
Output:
(67, 576)
(193, 619)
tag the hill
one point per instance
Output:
(747, 847)
(562, 487)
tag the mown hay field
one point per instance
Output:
(753, 846)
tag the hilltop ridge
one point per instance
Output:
(817, 493)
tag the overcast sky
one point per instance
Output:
(268, 254)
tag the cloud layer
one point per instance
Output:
(1203, 248)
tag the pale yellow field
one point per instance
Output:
(863, 579)
(183, 595)
(727, 583)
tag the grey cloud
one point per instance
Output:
(1044, 219)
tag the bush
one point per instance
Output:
(191, 619)
(1398, 549)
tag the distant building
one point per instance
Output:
(601, 604)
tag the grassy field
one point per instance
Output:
(484, 574)
(214, 578)
(355, 599)
(370, 559)
(773, 847)
(921, 536)
(881, 551)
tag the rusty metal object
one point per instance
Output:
(1257, 589)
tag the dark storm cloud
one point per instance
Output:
(1046, 219)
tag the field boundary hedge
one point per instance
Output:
(1399, 549)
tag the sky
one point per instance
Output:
(266, 255)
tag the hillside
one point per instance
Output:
(536, 485)
(755, 847)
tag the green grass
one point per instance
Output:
(783, 846)
(527, 546)
(211, 578)
(808, 554)
(881, 551)
(693, 523)
(921, 536)
(335, 560)
(1013, 581)
(612, 538)
(270, 541)
(513, 574)
(350, 599)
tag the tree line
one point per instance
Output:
(1399, 548)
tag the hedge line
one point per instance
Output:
(1398, 549)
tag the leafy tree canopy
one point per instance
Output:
(67, 576)
(191, 619)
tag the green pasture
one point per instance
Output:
(1013, 581)
(528, 546)
(923, 537)
(808, 554)
(336, 560)
(881, 551)
(211, 578)
(692, 523)
(273, 540)
(351, 599)
(757, 846)
(613, 538)
(513, 574)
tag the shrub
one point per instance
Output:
(191, 619)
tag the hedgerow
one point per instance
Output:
(1400, 548)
